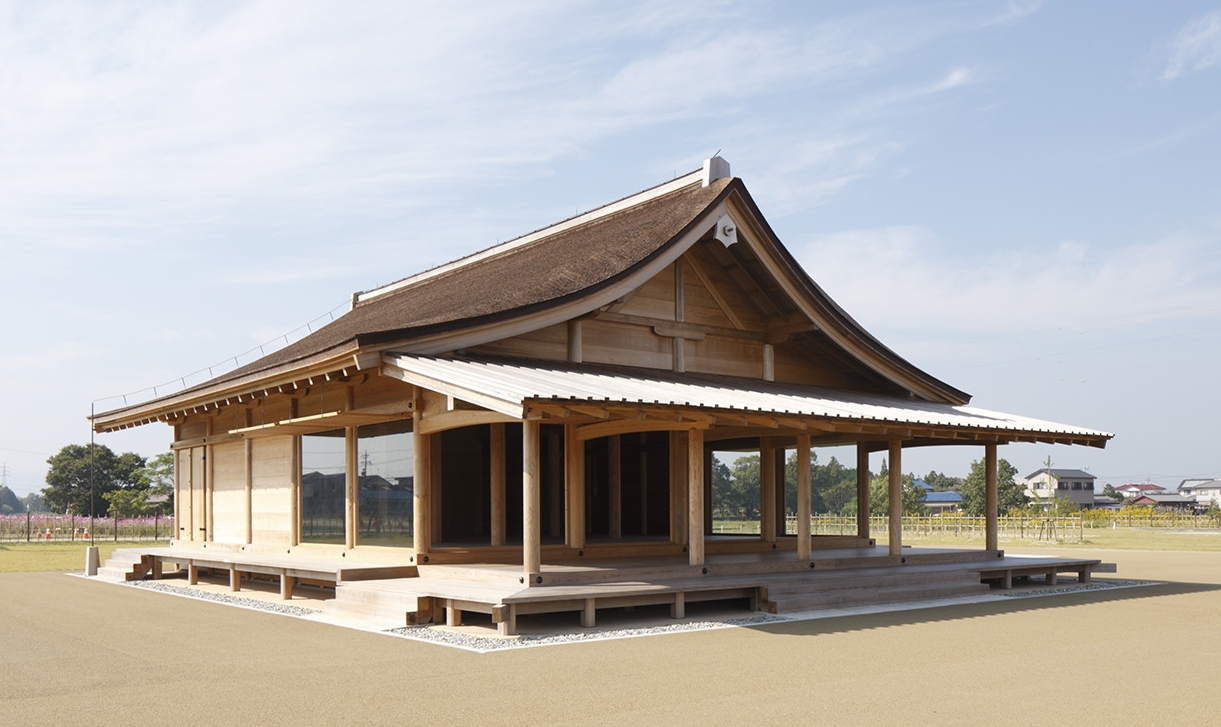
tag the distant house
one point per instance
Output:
(939, 502)
(1076, 486)
(1165, 502)
(1102, 502)
(1203, 492)
(1140, 488)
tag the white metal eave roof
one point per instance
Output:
(509, 386)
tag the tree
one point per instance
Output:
(157, 477)
(941, 482)
(1009, 494)
(68, 479)
(1109, 491)
(33, 502)
(790, 483)
(879, 494)
(9, 503)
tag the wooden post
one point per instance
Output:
(678, 488)
(422, 485)
(209, 486)
(896, 497)
(435, 464)
(803, 497)
(615, 495)
(695, 496)
(644, 483)
(294, 494)
(708, 491)
(780, 454)
(555, 482)
(991, 541)
(249, 472)
(497, 446)
(767, 490)
(352, 482)
(530, 497)
(862, 490)
(574, 487)
(575, 348)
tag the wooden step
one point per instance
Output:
(869, 597)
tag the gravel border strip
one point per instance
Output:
(444, 636)
(1093, 585)
(226, 599)
(484, 644)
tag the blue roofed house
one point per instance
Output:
(941, 502)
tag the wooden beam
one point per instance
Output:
(695, 496)
(586, 432)
(895, 525)
(574, 487)
(702, 274)
(457, 418)
(531, 499)
(497, 455)
(803, 497)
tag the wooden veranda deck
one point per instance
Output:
(773, 581)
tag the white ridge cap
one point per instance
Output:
(652, 193)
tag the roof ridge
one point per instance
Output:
(606, 210)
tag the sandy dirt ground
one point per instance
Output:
(75, 651)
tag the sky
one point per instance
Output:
(1021, 198)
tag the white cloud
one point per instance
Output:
(1195, 47)
(904, 279)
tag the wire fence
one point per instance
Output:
(44, 527)
(1061, 528)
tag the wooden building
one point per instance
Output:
(557, 399)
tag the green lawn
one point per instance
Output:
(70, 556)
(54, 556)
(1106, 538)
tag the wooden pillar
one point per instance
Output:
(615, 495)
(574, 487)
(422, 485)
(644, 483)
(695, 496)
(435, 466)
(780, 454)
(294, 494)
(209, 486)
(530, 497)
(352, 487)
(248, 466)
(497, 445)
(575, 348)
(678, 488)
(862, 490)
(767, 490)
(554, 482)
(896, 497)
(991, 514)
(803, 497)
